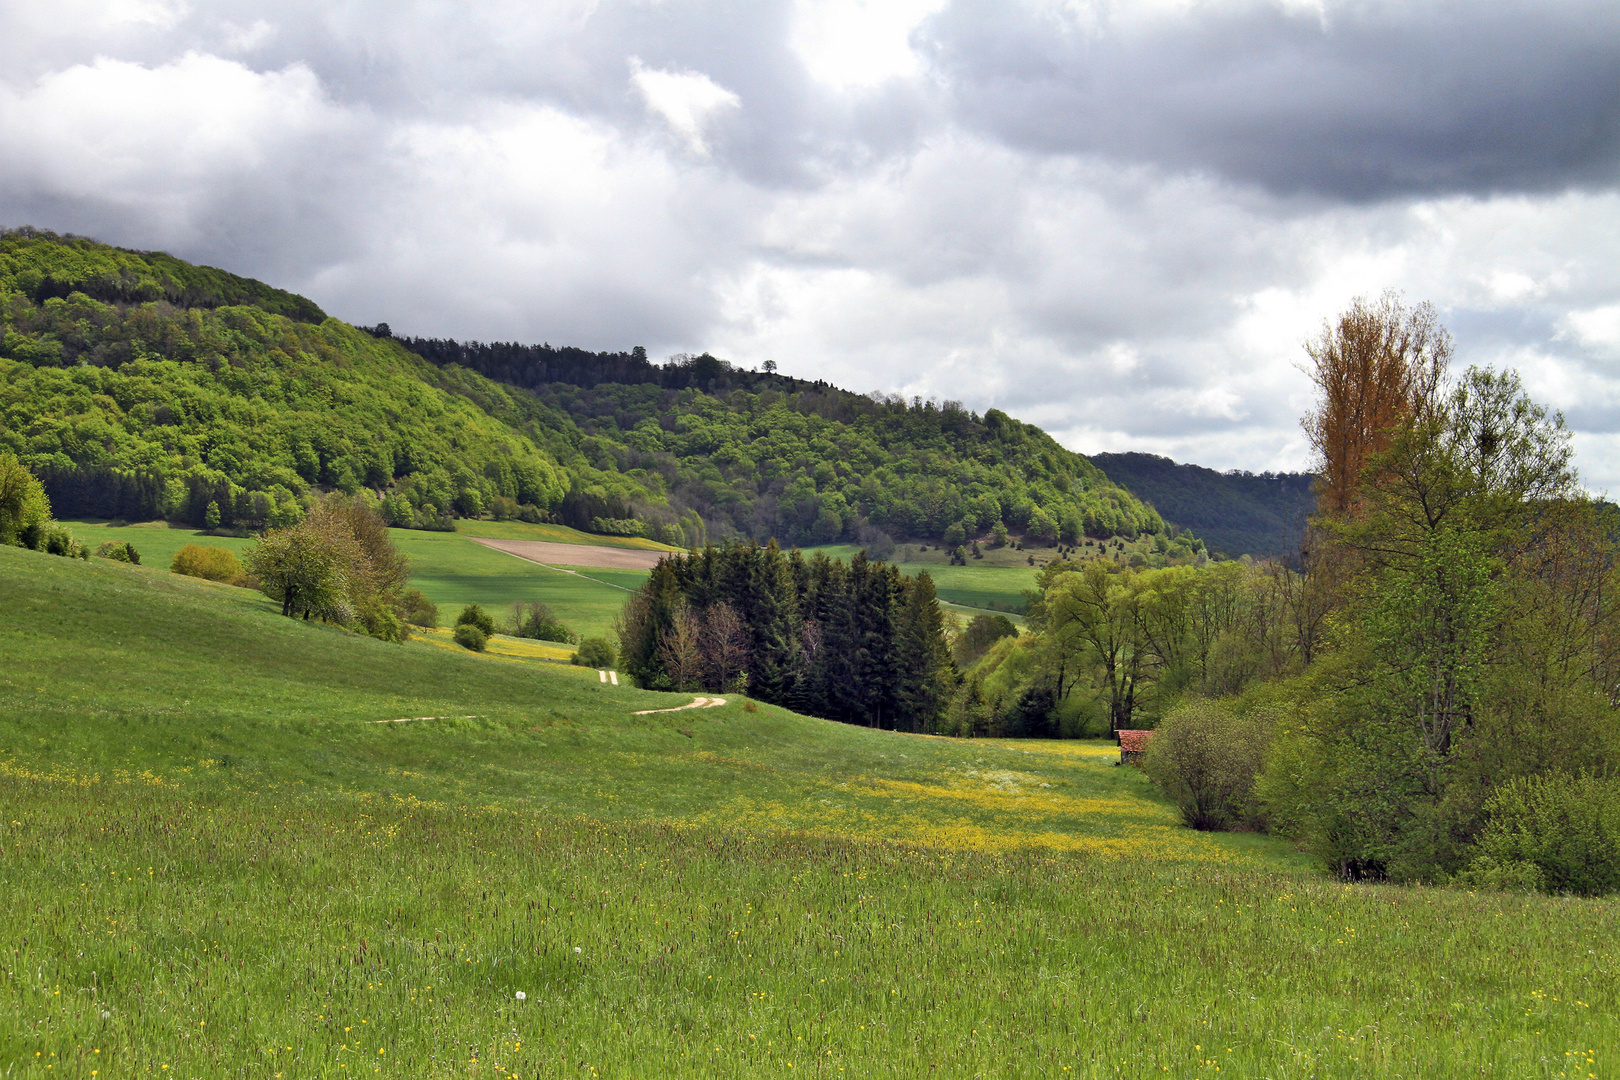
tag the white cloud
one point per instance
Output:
(1597, 327)
(857, 43)
(128, 133)
(687, 100)
(248, 38)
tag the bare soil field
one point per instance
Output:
(541, 551)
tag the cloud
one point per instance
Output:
(1358, 101)
(1118, 221)
(859, 43)
(687, 100)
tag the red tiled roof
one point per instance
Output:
(1134, 741)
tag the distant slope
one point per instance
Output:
(1234, 513)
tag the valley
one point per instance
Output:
(231, 865)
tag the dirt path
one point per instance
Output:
(550, 554)
(697, 703)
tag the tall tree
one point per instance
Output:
(927, 675)
(1097, 610)
(1377, 366)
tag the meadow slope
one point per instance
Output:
(223, 865)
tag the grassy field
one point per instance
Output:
(155, 541)
(453, 571)
(219, 863)
(971, 589)
(449, 568)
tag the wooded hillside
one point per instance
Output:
(138, 386)
(1236, 513)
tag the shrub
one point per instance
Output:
(418, 610)
(1206, 759)
(118, 551)
(595, 652)
(474, 615)
(53, 539)
(470, 636)
(536, 621)
(1555, 833)
(209, 563)
(381, 621)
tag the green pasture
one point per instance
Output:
(450, 569)
(155, 541)
(972, 589)
(220, 863)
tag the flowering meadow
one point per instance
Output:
(238, 845)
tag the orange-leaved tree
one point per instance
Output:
(1377, 367)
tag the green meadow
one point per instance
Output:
(451, 569)
(234, 844)
(996, 584)
(155, 541)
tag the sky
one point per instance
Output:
(1120, 221)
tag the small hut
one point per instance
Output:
(1133, 744)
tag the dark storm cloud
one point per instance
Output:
(1362, 102)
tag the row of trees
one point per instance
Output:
(1110, 644)
(856, 642)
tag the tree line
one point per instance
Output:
(858, 642)
(533, 366)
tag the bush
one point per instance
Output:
(537, 622)
(208, 563)
(118, 551)
(1556, 834)
(1207, 759)
(469, 636)
(474, 615)
(595, 652)
(381, 621)
(418, 610)
(53, 539)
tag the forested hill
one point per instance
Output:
(138, 386)
(1235, 513)
(758, 454)
(38, 266)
